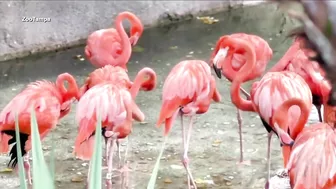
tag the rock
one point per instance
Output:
(77, 178)
(200, 183)
(168, 181)
(176, 167)
(228, 183)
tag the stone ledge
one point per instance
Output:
(69, 23)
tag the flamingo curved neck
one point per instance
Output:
(126, 127)
(60, 86)
(140, 79)
(243, 73)
(125, 43)
(281, 113)
(224, 62)
(136, 25)
(72, 90)
(287, 57)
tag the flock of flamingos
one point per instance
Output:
(283, 98)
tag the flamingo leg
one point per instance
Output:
(88, 175)
(110, 163)
(318, 107)
(125, 168)
(119, 153)
(239, 118)
(269, 142)
(137, 114)
(240, 126)
(107, 148)
(247, 95)
(185, 159)
(26, 165)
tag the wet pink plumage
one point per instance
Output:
(49, 101)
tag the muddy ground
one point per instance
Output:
(214, 149)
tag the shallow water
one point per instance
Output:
(214, 147)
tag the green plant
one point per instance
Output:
(152, 180)
(96, 164)
(23, 184)
(44, 179)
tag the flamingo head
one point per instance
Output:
(284, 137)
(134, 39)
(218, 60)
(135, 33)
(136, 29)
(66, 107)
(218, 56)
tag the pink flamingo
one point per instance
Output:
(112, 46)
(50, 101)
(187, 91)
(227, 58)
(145, 80)
(312, 160)
(268, 94)
(116, 107)
(296, 60)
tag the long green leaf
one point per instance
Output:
(152, 180)
(96, 162)
(52, 158)
(23, 183)
(41, 175)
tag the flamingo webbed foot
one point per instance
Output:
(191, 182)
(246, 162)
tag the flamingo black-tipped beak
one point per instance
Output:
(290, 144)
(285, 139)
(222, 53)
(217, 71)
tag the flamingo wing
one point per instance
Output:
(312, 163)
(187, 82)
(308, 70)
(116, 75)
(264, 52)
(106, 99)
(40, 95)
(275, 88)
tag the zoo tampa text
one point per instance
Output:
(35, 19)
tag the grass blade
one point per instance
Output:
(96, 162)
(152, 180)
(22, 175)
(41, 175)
(52, 158)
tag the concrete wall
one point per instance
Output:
(68, 23)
